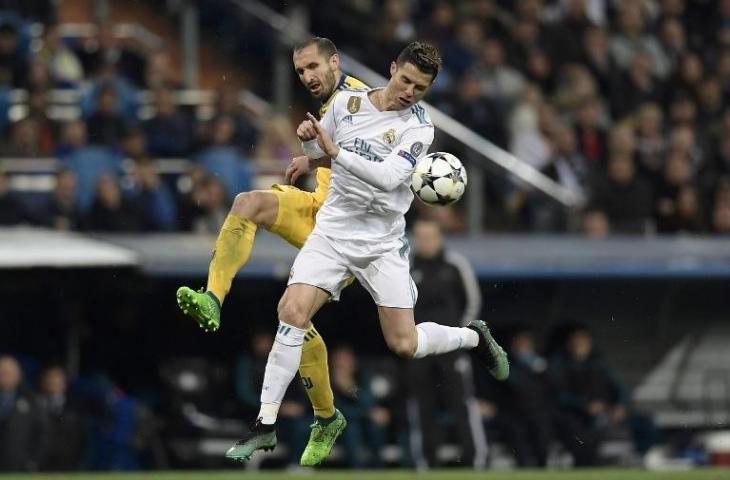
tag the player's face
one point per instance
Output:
(316, 72)
(408, 84)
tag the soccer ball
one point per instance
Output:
(439, 179)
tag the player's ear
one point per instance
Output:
(335, 61)
(393, 68)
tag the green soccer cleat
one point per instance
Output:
(260, 437)
(322, 439)
(202, 306)
(489, 352)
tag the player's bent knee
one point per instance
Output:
(257, 206)
(292, 314)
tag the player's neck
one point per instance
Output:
(382, 101)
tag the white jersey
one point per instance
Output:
(370, 185)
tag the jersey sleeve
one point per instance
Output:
(310, 147)
(396, 167)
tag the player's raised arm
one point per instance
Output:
(396, 168)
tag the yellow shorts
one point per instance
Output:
(296, 215)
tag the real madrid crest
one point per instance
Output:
(389, 136)
(353, 104)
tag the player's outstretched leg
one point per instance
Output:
(489, 352)
(232, 250)
(322, 438)
(202, 306)
(259, 437)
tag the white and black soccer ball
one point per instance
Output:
(439, 179)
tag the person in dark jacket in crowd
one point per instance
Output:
(66, 428)
(23, 423)
(448, 294)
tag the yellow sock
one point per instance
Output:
(316, 375)
(232, 250)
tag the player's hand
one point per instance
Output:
(323, 138)
(298, 167)
(306, 131)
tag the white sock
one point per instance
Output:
(281, 367)
(435, 339)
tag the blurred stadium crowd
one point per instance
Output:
(624, 102)
(561, 406)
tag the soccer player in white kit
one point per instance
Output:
(372, 140)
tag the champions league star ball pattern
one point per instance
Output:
(439, 179)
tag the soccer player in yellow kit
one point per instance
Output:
(290, 213)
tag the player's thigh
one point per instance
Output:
(319, 264)
(388, 280)
(399, 330)
(295, 215)
(299, 304)
(259, 206)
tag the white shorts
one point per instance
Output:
(328, 264)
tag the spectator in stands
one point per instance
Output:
(651, 144)
(673, 40)
(191, 197)
(106, 126)
(38, 111)
(500, 82)
(245, 133)
(64, 66)
(675, 188)
(38, 78)
(43, 11)
(623, 195)
(12, 211)
(105, 49)
(597, 58)
(225, 160)
(464, 48)
(527, 414)
(169, 131)
(568, 168)
(161, 72)
(635, 86)
(150, 195)
(721, 207)
(590, 393)
(450, 293)
(23, 423)
(61, 210)
(214, 206)
(477, 111)
(595, 223)
(574, 23)
(249, 375)
(633, 39)
(590, 133)
(88, 162)
(24, 141)
(66, 426)
(710, 104)
(277, 144)
(111, 212)
(367, 422)
(13, 68)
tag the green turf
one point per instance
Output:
(612, 474)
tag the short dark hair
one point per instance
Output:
(325, 46)
(423, 55)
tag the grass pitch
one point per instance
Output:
(607, 474)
